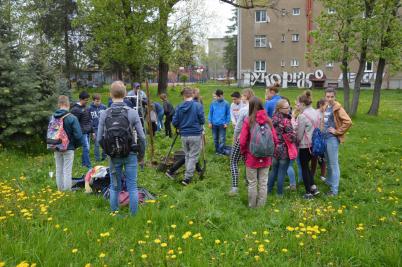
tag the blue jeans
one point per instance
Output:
(160, 121)
(97, 152)
(219, 135)
(331, 155)
(292, 174)
(85, 151)
(129, 164)
(279, 169)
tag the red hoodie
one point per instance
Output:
(252, 161)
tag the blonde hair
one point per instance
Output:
(163, 96)
(63, 101)
(248, 93)
(118, 89)
(280, 104)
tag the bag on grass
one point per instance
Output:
(56, 137)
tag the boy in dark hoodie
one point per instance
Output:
(219, 119)
(81, 111)
(64, 160)
(95, 109)
(189, 119)
(168, 111)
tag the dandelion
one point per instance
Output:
(172, 206)
(261, 248)
(141, 242)
(173, 226)
(104, 234)
(284, 250)
(314, 237)
(265, 232)
(149, 222)
(254, 233)
(170, 252)
(131, 250)
(290, 228)
(65, 229)
(301, 244)
(144, 256)
(217, 241)
(186, 235)
(74, 250)
(2, 264)
(102, 255)
(171, 237)
(257, 258)
(88, 265)
(340, 211)
(173, 257)
(57, 226)
(23, 264)
(163, 245)
(157, 241)
(190, 222)
(276, 210)
(393, 213)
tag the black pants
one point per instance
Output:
(305, 158)
(180, 163)
(168, 128)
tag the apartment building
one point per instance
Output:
(273, 44)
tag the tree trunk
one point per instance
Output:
(345, 80)
(162, 76)
(358, 80)
(375, 103)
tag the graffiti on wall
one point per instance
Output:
(367, 77)
(301, 79)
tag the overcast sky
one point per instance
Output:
(221, 12)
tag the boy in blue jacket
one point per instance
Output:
(219, 119)
(95, 109)
(189, 120)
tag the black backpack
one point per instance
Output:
(119, 138)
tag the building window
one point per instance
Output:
(294, 63)
(259, 66)
(369, 66)
(283, 12)
(330, 65)
(282, 63)
(261, 16)
(331, 10)
(296, 11)
(260, 41)
(295, 37)
(283, 38)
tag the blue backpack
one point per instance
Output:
(318, 145)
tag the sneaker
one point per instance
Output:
(331, 194)
(314, 190)
(323, 179)
(234, 191)
(292, 187)
(308, 196)
(170, 175)
(185, 182)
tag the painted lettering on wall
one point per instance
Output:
(301, 79)
(367, 77)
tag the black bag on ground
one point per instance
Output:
(119, 138)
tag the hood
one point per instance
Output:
(186, 106)
(77, 104)
(60, 113)
(94, 106)
(261, 117)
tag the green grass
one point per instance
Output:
(361, 227)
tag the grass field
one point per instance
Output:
(200, 225)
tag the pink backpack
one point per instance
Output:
(57, 139)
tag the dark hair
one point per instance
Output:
(83, 95)
(321, 102)
(305, 98)
(187, 92)
(235, 94)
(255, 104)
(96, 97)
(330, 90)
(218, 92)
(274, 89)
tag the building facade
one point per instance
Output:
(273, 44)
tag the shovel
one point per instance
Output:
(162, 167)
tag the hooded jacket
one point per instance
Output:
(271, 104)
(95, 113)
(71, 127)
(252, 161)
(219, 113)
(83, 116)
(189, 118)
(342, 121)
(307, 121)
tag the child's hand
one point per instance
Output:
(209, 125)
(225, 126)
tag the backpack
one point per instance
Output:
(119, 138)
(261, 141)
(318, 145)
(56, 137)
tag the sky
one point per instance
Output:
(220, 12)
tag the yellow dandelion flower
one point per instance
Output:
(382, 219)
(144, 256)
(340, 211)
(261, 249)
(290, 228)
(65, 229)
(172, 206)
(284, 250)
(57, 226)
(301, 244)
(257, 258)
(157, 241)
(276, 210)
(149, 222)
(173, 257)
(393, 213)
(173, 226)
(190, 222)
(254, 233)
(163, 245)
(131, 250)
(104, 234)
(265, 232)
(23, 264)
(217, 241)
(88, 265)
(102, 255)
(2, 264)
(74, 250)
(314, 237)
(170, 252)
(171, 237)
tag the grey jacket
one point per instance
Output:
(306, 123)
(134, 120)
(242, 115)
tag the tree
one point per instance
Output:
(388, 48)
(335, 38)
(230, 55)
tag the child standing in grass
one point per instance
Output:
(235, 108)
(318, 159)
(64, 160)
(256, 167)
(219, 118)
(168, 110)
(95, 109)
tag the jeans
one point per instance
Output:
(279, 169)
(257, 186)
(331, 155)
(97, 151)
(291, 173)
(305, 158)
(86, 162)
(64, 169)
(219, 135)
(129, 164)
(160, 121)
(192, 147)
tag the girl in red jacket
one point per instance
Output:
(256, 168)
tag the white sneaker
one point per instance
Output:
(234, 191)
(323, 179)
